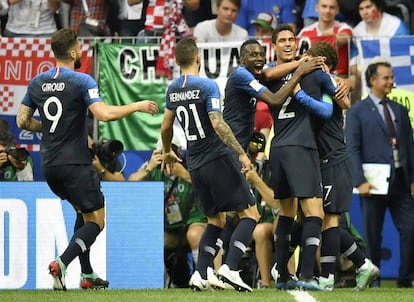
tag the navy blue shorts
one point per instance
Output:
(221, 187)
(337, 187)
(78, 184)
(295, 172)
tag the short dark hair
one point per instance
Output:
(247, 43)
(62, 42)
(326, 50)
(380, 4)
(185, 52)
(372, 70)
(279, 28)
(235, 2)
(6, 137)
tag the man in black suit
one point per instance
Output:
(372, 137)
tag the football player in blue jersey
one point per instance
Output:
(243, 89)
(336, 170)
(62, 96)
(216, 175)
(294, 164)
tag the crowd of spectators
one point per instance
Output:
(129, 18)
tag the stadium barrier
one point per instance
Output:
(36, 226)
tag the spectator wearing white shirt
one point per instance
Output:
(377, 23)
(34, 18)
(222, 28)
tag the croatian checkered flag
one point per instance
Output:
(177, 29)
(399, 51)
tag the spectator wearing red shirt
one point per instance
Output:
(339, 34)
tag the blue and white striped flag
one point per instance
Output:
(399, 51)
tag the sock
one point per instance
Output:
(83, 238)
(241, 238)
(92, 275)
(329, 251)
(194, 252)
(225, 236)
(350, 249)
(295, 236)
(207, 249)
(84, 259)
(310, 242)
(281, 253)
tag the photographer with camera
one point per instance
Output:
(105, 159)
(15, 163)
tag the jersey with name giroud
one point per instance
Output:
(62, 97)
(241, 94)
(192, 98)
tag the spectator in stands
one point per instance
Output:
(31, 18)
(264, 24)
(131, 17)
(222, 28)
(89, 11)
(340, 33)
(377, 23)
(284, 10)
(347, 12)
(15, 163)
(158, 18)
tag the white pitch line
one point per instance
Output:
(302, 296)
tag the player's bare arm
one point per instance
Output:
(225, 133)
(278, 98)
(168, 155)
(223, 130)
(108, 113)
(25, 120)
(342, 92)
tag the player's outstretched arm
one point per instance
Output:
(279, 97)
(105, 113)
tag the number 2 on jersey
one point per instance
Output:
(283, 114)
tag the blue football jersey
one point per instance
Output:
(62, 97)
(241, 94)
(192, 98)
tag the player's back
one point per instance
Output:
(192, 98)
(60, 96)
(330, 135)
